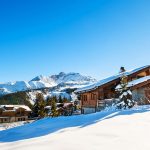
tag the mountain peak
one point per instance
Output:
(38, 78)
(61, 81)
(62, 73)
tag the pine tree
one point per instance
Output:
(54, 112)
(60, 100)
(39, 106)
(55, 98)
(125, 95)
(49, 101)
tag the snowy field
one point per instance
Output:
(115, 130)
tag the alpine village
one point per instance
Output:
(124, 90)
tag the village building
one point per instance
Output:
(63, 109)
(97, 96)
(14, 113)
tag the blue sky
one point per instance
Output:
(92, 37)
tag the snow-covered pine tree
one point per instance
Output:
(125, 94)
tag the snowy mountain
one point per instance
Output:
(56, 82)
(106, 130)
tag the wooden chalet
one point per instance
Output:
(14, 113)
(95, 97)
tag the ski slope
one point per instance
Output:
(115, 130)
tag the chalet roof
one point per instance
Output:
(109, 79)
(138, 81)
(15, 107)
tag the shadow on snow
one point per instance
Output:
(50, 125)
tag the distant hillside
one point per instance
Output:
(19, 98)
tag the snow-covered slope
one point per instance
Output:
(107, 130)
(62, 81)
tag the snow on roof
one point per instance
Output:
(138, 81)
(23, 106)
(109, 79)
(15, 107)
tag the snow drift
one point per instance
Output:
(128, 129)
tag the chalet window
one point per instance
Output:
(101, 94)
(84, 97)
(93, 96)
(19, 119)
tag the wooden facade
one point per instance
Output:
(95, 99)
(14, 113)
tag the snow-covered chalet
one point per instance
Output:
(97, 96)
(14, 113)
